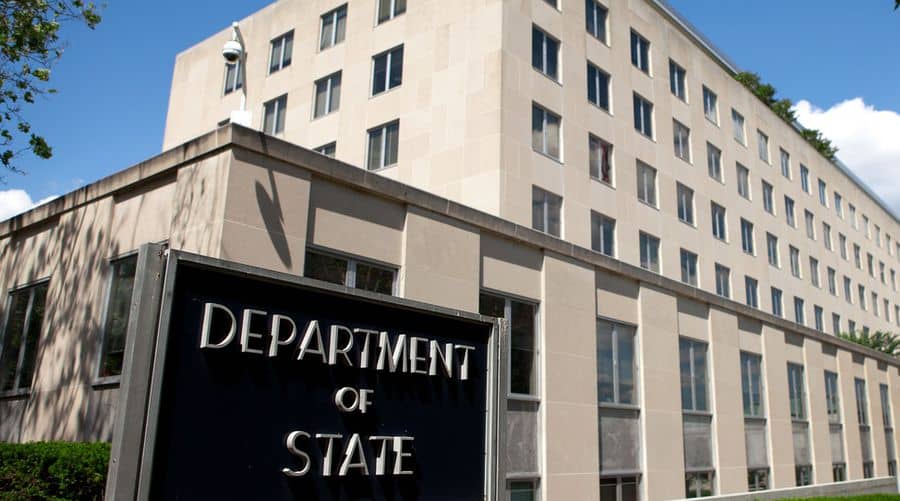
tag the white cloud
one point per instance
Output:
(13, 202)
(868, 140)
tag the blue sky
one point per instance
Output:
(114, 81)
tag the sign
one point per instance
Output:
(270, 389)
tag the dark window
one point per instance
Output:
(18, 353)
(523, 354)
(389, 9)
(387, 70)
(349, 272)
(273, 116)
(115, 325)
(595, 19)
(383, 146)
(598, 86)
(334, 27)
(281, 52)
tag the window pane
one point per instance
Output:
(35, 322)
(522, 349)
(391, 144)
(396, 68)
(605, 391)
(379, 73)
(117, 313)
(323, 267)
(537, 128)
(552, 134)
(13, 338)
(374, 278)
(625, 341)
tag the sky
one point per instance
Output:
(836, 62)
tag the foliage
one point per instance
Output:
(782, 107)
(53, 470)
(29, 46)
(884, 342)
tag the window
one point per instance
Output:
(878, 236)
(737, 125)
(598, 86)
(743, 181)
(649, 252)
(818, 318)
(523, 352)
(682, 139)
(885, 406)
(796, 393)
(814, 271)
(115, 323)
(777, 302)
(842, 244)
(762, 145)
(689, 267)
(600, 159)
(334, 27)
(747, 243)
(803, 475)
(328, 150)
(643, 116)
(862, 407)
(875, 304)
(710, 105)
(838, 205)
(810, 220)
(616, 367)
(677, 80)
(273, 115)
(751, 384)
(523, 490)
(352, 273)
(865, 220)
(785, 164)
(693, 375)
(640, 52)
(826, 235)
(619, 488)
(328, 95)
(757, 479)
(848, 294)
(789, 211)
(832, 281)
(823, 193)
(718, 222)
(387, 70)
(24, 319)
(714, 162)
(280, 53)
(234, 77)
(852, 209)
(603, 234)
(839, 472)
(546, 211)
(545, 131)
(699, 484)
(804, 178)
(768, 198)
(723, 281)
(595, 19)
(857, 256)
(544, 53)
(383, 145)
(795, 260)
(851, 326)
(870, 263)
(881, 272)
(646, 183)
(389, 9)
(799, 311)
(772, 250)
(751, 290)
(685, 203)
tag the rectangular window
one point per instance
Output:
(789, 211)
(281, 51)
(523, 490)
(857, 256)
(853, 222)
(723, 281)
(768, 198)
(751, 384)
(762, 145)
(600, 159)
(616, 364)
(796, 393)
(328, 95)
(523, 352)
(757, 479)
(595, 19)
(719, 229)
(682, 140)
(685, 203)
(818, 318)
(546, 211)
(751, 290)
(885, 406)
(603, 234)
(640, 52)
(803, 474)
(810, 221)
(598, 86)
(384, 143)
(777, 302)
(699, 484)
(646, 183)
(785, 164)
(389, 9)
(832, 281)
(710, 105)
(649, 252)
(862, 406)
(352, 273)
(689, 267)
(234, 77)
(838, 205)
(743, 181)
(387, 70)
(804, 178)
(334, 27)
(832, 397)
(848, 294)
(693, 375)
(714, 162)
(747, 240)
(823, 193)
(545, 131)
(619, 488)
(799, 311)
(115, 323)
(737, 125)
(814, 271)
(677, 80)
(794, 254)
(643, 116)
(826, 235)
(544, 53)
(24, 320)
(870, 264)
(328, 150)
(273, 115)
(865, 220)
(842, 244)
(772, 250)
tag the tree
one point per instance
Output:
(29, 46)
(884, 342)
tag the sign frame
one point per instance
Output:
(141, 385)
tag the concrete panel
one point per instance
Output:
(510, 268)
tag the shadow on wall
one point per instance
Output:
(270, 209)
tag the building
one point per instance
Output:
(646, 300)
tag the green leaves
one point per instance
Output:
(884, 342)
(782, 107)
(29, 46)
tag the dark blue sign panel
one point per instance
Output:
(273, 390)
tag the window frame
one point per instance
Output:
(546, 40)
(601, 219)
(599, 75)
(18, 389)
(393, 10)
(596, 171)
(643, 125)
(283, 41)
(330, 107)
(545, 143)
(710, 105)
(591, 18)
(689, 267)
(389, 56)
(383, 129)
(104, 326)
(537, 354)
(649, 239)
(333, 14)
(279, 105)
(640, 52)
(547, 197)
(352, 262)
(678, 81)
(686, 209)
